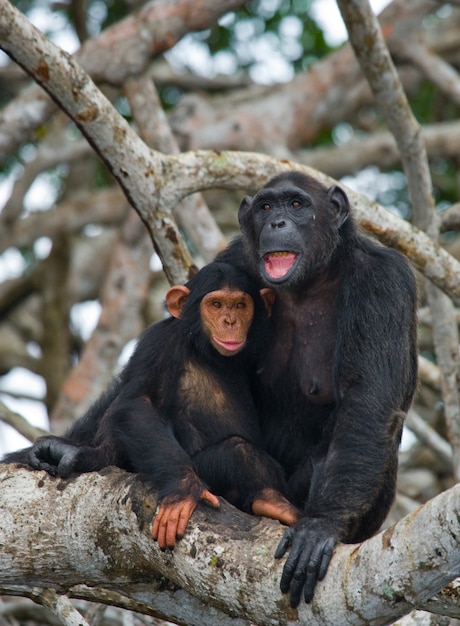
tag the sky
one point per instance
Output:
(327, 15)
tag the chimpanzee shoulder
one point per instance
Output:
(340, 367)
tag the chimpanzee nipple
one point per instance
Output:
(314, 388)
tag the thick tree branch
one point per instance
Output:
(123, 296)
(96, 529)
(121, 50)
(155, 183)
(103, 127)
(370, 48)
(380, 148)
(191, 213)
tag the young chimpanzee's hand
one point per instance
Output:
(172, 518)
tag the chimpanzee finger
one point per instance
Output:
(41, 465)
(328, 551)
(160, 526)
(171, 522)
(33, 457)
(284, 544)
(317, 567)
(312, 572)
(185, 513)
(169, 525)
(157, 533)
(294, 569)
(67, 463)
(210, 499)
(298, 577)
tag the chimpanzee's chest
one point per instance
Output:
(302, 354)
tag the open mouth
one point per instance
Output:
(278, 265)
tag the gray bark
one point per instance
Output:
(94, 531)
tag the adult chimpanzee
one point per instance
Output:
(339, 372)
(181, 414)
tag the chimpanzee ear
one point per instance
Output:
(268, 296)
(176, 298)
(244, 215)
(339, 200)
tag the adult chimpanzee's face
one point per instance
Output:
(293, 230)
(284, 219)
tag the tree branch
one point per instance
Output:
(154, 183)
(96, 529)
(370, 48)
(20, 424)
(62, 608)
(192, 213)
(107, 131)
(121, 50)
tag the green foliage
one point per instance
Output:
(445, 184)
(7, 166)
(288, 25)
(424, 103)
(116, 10)
(241, 42)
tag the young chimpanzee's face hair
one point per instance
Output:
(219, 302)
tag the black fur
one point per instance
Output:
(340, 368)
(180, 415)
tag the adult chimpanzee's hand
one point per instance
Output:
(53, 455)
(312, 544)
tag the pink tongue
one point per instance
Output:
(278, 266)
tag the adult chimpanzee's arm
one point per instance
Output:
(353, 486)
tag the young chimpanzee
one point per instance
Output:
(181, 414)
(340, 368)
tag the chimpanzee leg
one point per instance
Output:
(247, 477)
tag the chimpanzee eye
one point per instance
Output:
(216, 304)
(266, 206)
(295, 204)
(241, 305)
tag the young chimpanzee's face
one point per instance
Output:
(218, 306)
(226, 315)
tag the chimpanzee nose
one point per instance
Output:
(278, 224)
